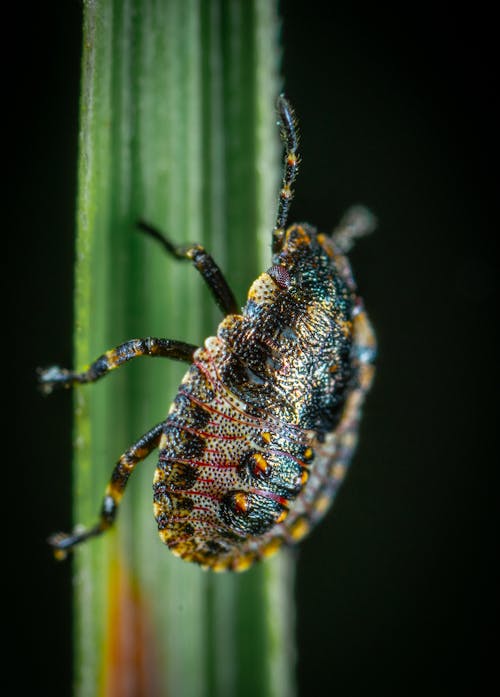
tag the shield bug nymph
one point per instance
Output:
(265, 420)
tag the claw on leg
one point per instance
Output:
(62, 543)
(53, 377)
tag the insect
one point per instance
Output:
(265, 420)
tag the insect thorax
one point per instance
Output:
(289, 352)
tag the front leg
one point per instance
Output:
(203, 262)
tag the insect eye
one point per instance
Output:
(280, 275)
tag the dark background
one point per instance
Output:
(395, 588)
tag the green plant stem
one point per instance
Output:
(177, 127)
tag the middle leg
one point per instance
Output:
(50, 378)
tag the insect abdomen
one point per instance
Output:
(224, 475)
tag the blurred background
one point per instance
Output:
(395, 588)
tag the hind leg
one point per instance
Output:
(357, 222)
(62, 543)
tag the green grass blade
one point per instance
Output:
(177, 127)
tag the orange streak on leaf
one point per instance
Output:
(131, 657)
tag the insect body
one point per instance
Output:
(265, 420)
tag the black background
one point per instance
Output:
(395, 588)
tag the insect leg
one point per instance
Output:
(52, 377)
(204, 263)
(64, 542)
(357, 221)
(290, 139)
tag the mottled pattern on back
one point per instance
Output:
(249, 458)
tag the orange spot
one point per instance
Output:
(338, 471)
(304, 476)
(261, 465)
(111, 358)
(325, 242)
(241, 502)
(346, 327)
(300, 236)
(308, 454)
(141, 453)
(218, 565)
(271, 547)
(299, 529)
(282, 516)
(129, 663)
(243, 563)
(266, 437)
(322, 503)
(115, 490)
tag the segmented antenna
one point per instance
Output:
(290, 138)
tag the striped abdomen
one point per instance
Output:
(225, 478)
